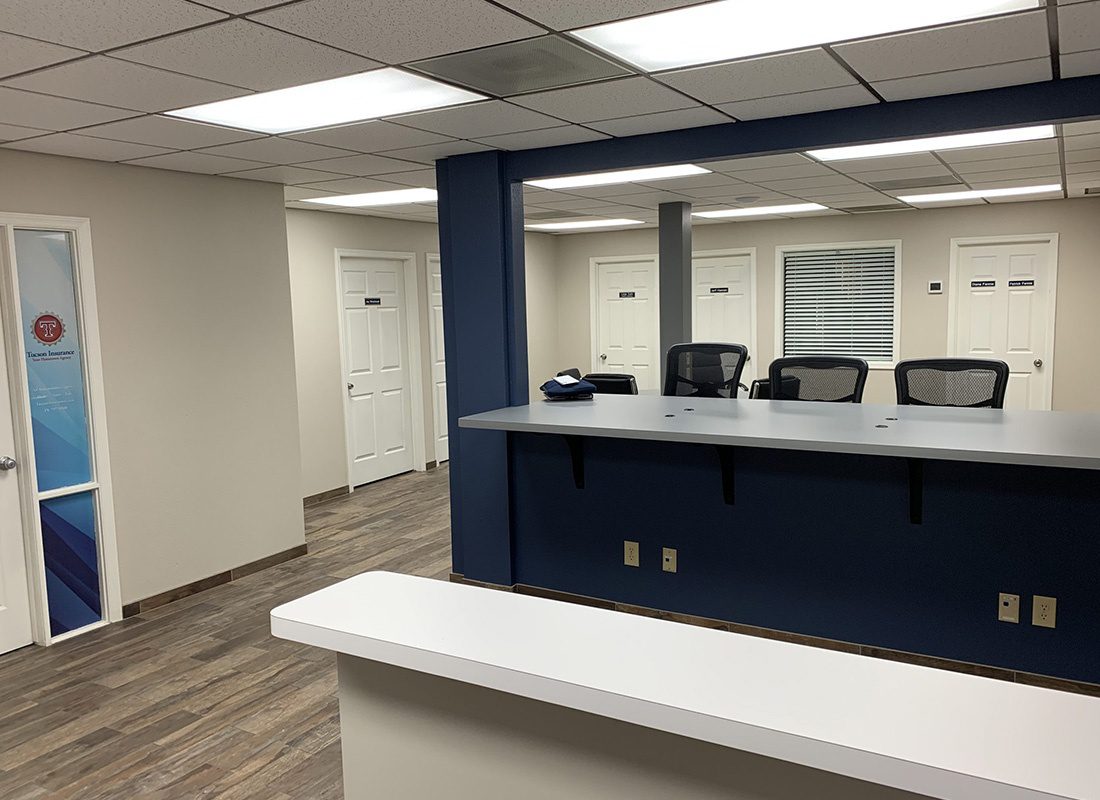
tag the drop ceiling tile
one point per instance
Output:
(1082, 142)
(52, 113)
(1083, 167)
(1039, 175)
(68, 144)
(371, 137)
(276, 150)
(18, 54)
(761, 77)
(832, 182)
(691, 182)
(563, 15)
(608, 100)
(1079, 27)
(618, 190)
(242, 6)
(966, 80)
(400, 32)
(999, 164)
(801, 103)
(548, 137)
(11, 133)
(363, 165)
(101, 24)
(723, 190)
(909, 173)
(857, 165)
(1039, 147)
(430, 153)
(421, 178)
(652, 199)
(854, 199)
(1086, 154)
(111, 82)
(478, 120)
(195, 162)
(1080, 128)
(806, 169)
(286, 175)
(352, 186)
(758, 162)
(953, 47)
(173, 134)
(295, 194)
(573, 203)
(1013, 182)
(661, 121)
(242, 53)
(1074, 65)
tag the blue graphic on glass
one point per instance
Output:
(72, 564)
(55, 371)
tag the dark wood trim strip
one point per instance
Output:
(933, 662)
(201, 585)
(324, 497)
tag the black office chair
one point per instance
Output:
(704, 369)
(612, 383)
(956, 382)
(572, 372)
(827, 379)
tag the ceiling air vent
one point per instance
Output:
(547, 62)
(916, 183)
(874, 208)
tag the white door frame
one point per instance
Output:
(412, 336)
(88, 322)
(428, 258)
(736, 251)
(594, 304)
(1051, 288)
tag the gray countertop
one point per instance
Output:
(1037, 438)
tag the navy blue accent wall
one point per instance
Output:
(821, 544)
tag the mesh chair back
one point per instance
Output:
(704, 369)
(827, 379)
(612, 383)
(956, 382)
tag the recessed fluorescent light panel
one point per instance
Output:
(980, 194)
(956, 141)
(353, 98)
(620, 176)
(729, 29)
(761, 211)
(581, 224)
(395, 198)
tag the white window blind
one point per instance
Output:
(840, 301)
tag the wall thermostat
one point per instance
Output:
(935, 287)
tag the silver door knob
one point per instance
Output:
(1038, 362)
(351, 386)
(7, 463)
(603, 356)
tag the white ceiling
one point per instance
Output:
(89, 78)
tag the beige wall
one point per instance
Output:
(194, 315)
(540, 261)
(926, 237)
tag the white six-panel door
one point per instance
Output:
(438, 358)
(376, 367)
(15, 612)
(724, 300)
(1003, 308)
(627, 318)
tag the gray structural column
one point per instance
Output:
(674, 220)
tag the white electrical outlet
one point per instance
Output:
(1044, 611)
(630, 554)
(1008, 608)
(668, 559)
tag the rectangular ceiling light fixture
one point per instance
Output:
(581, 224)
(731, 29)
(955, 141)
(353, 98)
(397, 197)
(761, 211)
(980, 194)
(619, 176)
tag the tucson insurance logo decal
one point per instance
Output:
(48, 328)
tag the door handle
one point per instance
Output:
(1038, 362)
(603, 356)
(351, 386)
(7, 463)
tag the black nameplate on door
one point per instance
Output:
(625, 295)
(720, 290)
(372, 301)
(982, 284)
(1021, 283)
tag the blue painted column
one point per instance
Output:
(485, 325)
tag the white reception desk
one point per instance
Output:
(775, 720)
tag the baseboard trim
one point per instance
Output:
(201, 585)
(324, 497)
(980, 670)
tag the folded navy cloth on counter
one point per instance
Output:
(570, 389)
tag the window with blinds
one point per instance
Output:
(840, 301)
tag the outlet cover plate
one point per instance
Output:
(668, 559)
(1044, 611)
(1008, 607)
(630, 554)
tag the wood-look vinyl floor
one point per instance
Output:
(196, 699)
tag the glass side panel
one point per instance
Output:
(55, 369)
(72, 565)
